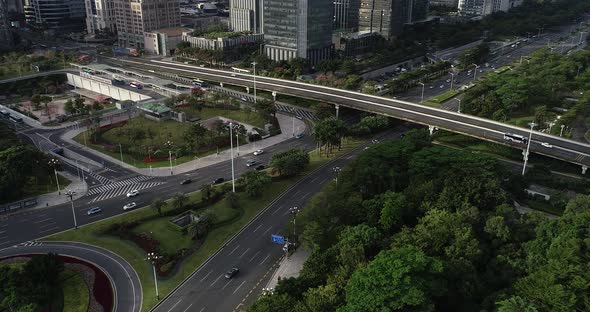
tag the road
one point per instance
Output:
(251, 251)
(126, 284)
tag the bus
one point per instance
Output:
(200, 83)
(516, 138)
(16, 119)
(136, 85)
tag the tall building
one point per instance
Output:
(346, 15)
(485, 7)
(135, 17)
(53, 13)
(100, 16)
(5, 34)
(444, 3)
(386, 17)
(298, 29)
(246, 15)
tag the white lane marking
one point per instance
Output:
(51, 229)
(239, 287)
(244, 253)
(256, 229)
(4, 243)
(275, 211)
(175, 305)
(313, 180)
(256, 254)
(189, 308)
(231, 279)
(203, 308)
(267, 230)
(2, 232)
(215, 281)
(305, 196)
(3, 237)
(233, 250)
(46, 225)
(206, 276)
(261, 262)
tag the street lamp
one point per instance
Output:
(54, 162)
(475, 71)
(153, 258)
(337, 171)
(528, 146)
(422, 97)
(458, 109)
(561, 131)
(71, 194)
(231, 148)
(581, 34)
(294, 211)
(169, 144)
(121, 151)
(254, 64)
(452, 80)
(238, 142)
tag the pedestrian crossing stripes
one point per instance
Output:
(29, 243)
(114, 185)
(122, 189)
(100, 178)
(305, 114)
(580, 158)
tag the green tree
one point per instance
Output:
(393, 212)
(274, 303)
(233, 200)
(289, 163)
(404, 279)
(69, 107)
(206, 190)
(179, 200)
(255, 182)
(158, 204)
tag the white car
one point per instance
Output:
(129, 206)
(133, 193)
(547, 145)
(258, 152)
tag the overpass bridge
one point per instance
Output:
(541, 143)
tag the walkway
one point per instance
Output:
(57, 198)
(289, 267)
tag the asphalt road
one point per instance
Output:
(251, 251)
(127, 288)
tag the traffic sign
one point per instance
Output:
(277, 239)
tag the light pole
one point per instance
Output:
(458, 109)
(581, 34)
(54, 162)
(528, 146)
(71, 194)
(254, 64)
(293, 118)
(337, 171)
(153, 258)
(561, 131)
(121, 151)
(294, 211)
(422, 97)
(452, 80)
(238, 142)
(475, 71)
(231, 148)
(169, 144)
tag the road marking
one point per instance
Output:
(233, 250)
(238, 287)
(4, 243)
(264, 259)
(203, 308)
(175, 305)
(3, 237)
(206, 276)
(189, 308)
(267, 230)
(2, 232)
(244, 252)
(51, 229)
(305, 196)
(256, 229)
(313, 180)
(256, 254)
(231, 279)
(46, 225)
(215, 281)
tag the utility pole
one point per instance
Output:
(153, 258)
(458, 109)
(54, 162)
(475, 71)
(70, 194)
(526, 153)
(231, 148)
(254, 64)
(294, 211)
(422, 97)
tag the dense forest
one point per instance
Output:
(416, 227)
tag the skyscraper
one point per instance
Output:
(5, 34)
(298, 28)
(387, 17)
(134, 17)
(346, 14)
(100, 15)
(53, 13)
(246, 15)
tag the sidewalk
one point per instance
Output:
(53, 199)
(285, 122)
(289, 267)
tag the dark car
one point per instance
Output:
(260, 167)
(218, 180)
(231, 273)
(187, 181)
(94, 210)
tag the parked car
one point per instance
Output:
(186, 181)
(94, 210)
(251, 163)
(133, 193)
(231, 273)
(260, 167)
(258, 152)
(299, 136)
(218, 180)
(129, 206)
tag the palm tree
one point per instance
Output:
(158, 204)
(232, 199)
(206, 191)
(178, 200)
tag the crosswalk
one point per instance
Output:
(305, 114)
(116, 189)
(100, 178)
(115, 185)
(29, 243)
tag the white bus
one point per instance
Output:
(516, 138)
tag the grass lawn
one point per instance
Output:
(445, 96)
(93, 233)
(76, 294)
(36, 186)
(521, 121)
(251, 118)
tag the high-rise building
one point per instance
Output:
(5, 34)
(444, 3)
(386, 17)
(485, 7)
(53, 13)
(134, 17)
(298, 29)
(100, 16)
(246, 15)
(346, 15)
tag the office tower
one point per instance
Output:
(386, 17)
(5, 34)
(100, 16)
(444, 3)
(419, 10)
(346, 15)
(298, 29)
(485, 7)
(246, 15)
(53, 13)
(134, 17)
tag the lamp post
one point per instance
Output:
(231, 148)
(294, 211)
(528, 146)
(121, 151)
(71, 194)
(475, 71)
(237, 142)
(458, 109)
(581, 34)
(53, 163)
(254, 64)
(337, 171)
(422, 97)
(169, 144)
(452, 80)
(153, 258)
(561, 131)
